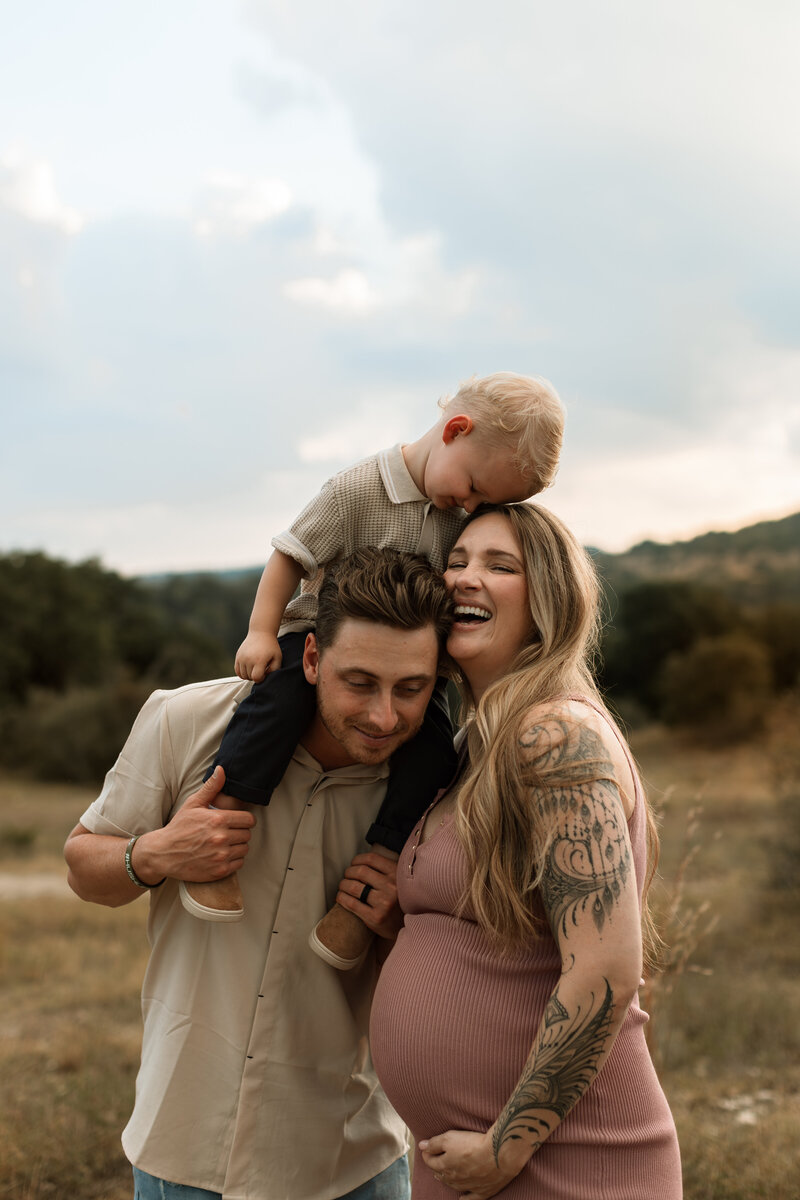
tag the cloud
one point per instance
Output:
(371, 425)
(148, 534)
(27, 188)
(287, 251)
(275, 84)
(741, 463)
(712, 485)
(348, 292)
(37, 234)
(231, 203)
(711, 79)
(399, 274)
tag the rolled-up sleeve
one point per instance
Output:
(137, 794)
(317, 536)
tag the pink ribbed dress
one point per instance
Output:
(453, 1024)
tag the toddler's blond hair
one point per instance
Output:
(522, 410)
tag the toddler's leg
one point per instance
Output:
(262, 734)
(215, 899)
(419, 770)
(256, 750)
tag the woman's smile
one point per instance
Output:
(470, 616)
(486, 577)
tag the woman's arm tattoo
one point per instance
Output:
(588, 860)
(586, 865)
(563, 1064)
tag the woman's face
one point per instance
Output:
(486, 576)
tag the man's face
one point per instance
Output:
(373, 686)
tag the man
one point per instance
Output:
(256, 1081)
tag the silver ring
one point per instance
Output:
(365, 891)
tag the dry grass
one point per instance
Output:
(726, 1015)
(69, 1045)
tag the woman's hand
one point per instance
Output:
(465, 1162)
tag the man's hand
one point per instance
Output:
(465, 1162)
(258, 654)
(380, 912)
(200, 843)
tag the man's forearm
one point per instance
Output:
(199, 843)
(96, 868)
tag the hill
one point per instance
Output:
(84, 646)
(753, 566)
(757, 565)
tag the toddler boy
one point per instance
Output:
(497, 440)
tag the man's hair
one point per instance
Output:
(386, 586)
(522, 412)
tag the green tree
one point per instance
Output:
(653, 621)
(82, 647)
(74, 735)
(720, 687)
(216, 606)
(778, 627)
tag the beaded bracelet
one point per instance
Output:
(134, 878)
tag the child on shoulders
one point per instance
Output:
(497, 440)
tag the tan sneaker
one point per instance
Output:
(219, 900)
(341, 939)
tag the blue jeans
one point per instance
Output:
(391, 1184)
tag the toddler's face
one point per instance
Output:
(466, 472)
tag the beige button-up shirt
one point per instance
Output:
(256, 1079)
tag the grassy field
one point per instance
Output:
(69, 981)
(726, 1014)
(725, 1029)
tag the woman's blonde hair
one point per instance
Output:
(499, 826)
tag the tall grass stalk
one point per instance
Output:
(683, 925)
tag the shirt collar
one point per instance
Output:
(400, 487)
(355, 771)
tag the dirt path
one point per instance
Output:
(27, 887)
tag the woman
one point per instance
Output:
(506, 1028)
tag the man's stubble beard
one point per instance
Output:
(339, 728)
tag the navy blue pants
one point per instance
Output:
(259, 742)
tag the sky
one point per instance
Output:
(243, 244)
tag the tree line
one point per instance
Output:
(688, 655)
(82, 647)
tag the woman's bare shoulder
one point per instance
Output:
(566, 716)
(569, 736)
(549, 731)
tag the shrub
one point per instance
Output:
(778, 627)
(784, 753)
(653, 621)
(720, 687)
(74, 736)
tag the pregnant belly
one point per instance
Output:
(452, 1024)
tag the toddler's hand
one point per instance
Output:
(258, 654)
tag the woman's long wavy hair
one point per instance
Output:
(497, 822)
